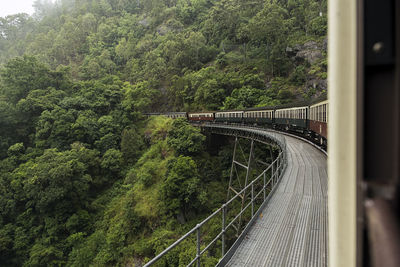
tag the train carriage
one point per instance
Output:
(201, 116)
(318, 121)
(292, 119)
(259, 117)
(175, 115)
(229, 116)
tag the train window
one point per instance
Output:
(315, 114)
(321, 115)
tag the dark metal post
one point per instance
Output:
(252, 200)
(265, 183)
(223, 228)
(279, 166)
(232, 168)
(273, 174)
(198, 245)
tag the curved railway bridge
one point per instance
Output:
(290, 226)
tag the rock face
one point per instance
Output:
(319, 84)
(309, 51)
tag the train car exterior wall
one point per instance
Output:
(206, 116)
(292, 118)
(229, 116)
(259, 117)
(319, 119)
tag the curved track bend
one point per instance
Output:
(292, 230)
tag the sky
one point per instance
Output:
(10, 7)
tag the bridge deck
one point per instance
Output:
(292, 228)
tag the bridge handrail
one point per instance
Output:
(276, 168)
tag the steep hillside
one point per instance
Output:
(182, 54)
(85, 178)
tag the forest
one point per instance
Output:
(86, 178)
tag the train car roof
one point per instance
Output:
(259, 108)
(201, 112)
(230, 111)
(303, 103)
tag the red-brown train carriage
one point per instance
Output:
(318, 120)
(201, 116)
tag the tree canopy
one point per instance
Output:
(86, 179)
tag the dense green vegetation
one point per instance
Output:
(85, 177)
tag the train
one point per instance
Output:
(309, 120)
